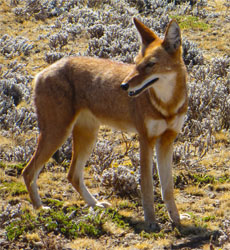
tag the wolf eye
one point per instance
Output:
(150, 64)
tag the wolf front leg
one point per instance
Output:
(146, 161)
(164, 150)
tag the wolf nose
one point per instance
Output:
(125, 86)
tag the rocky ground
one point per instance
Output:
(33, 34)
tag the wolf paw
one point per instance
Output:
(153, 227)
(103, 204)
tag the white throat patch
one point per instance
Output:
(164, 87)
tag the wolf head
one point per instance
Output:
(158, 60)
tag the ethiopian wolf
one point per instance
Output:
(78, 94)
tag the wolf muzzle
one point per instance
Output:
(125, 86)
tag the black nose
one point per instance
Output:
(125, 86)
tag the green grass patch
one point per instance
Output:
(209, 218)
(19, 226)
(128, 204)
(52, 203)
(225, 178)
(203, 179)
(71, 222)
(58, 222)
(13, 188)
(13, 169)
(152, 235)
(190, 22)
(19, 167)
(2, 165)
(119, 220)
(199, 179)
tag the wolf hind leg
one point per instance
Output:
(48, 143)
(84, 138)
(55, 119)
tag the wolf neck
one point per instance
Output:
(164, 87)
(162, 95)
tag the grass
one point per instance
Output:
(60, 220)
(69, 218)
(187, 22)
(200, 179)
(16, 228)
(72, 220)
(13, 188)
(55, 221)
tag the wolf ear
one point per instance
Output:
(147, 35)
(172, 40)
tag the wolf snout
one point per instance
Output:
(125, 86)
